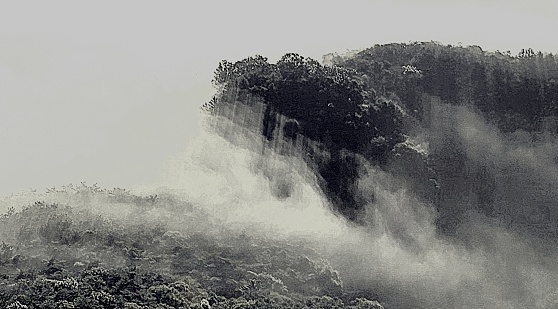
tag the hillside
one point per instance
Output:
(113, 249)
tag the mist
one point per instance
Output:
(239, 183)
(265, 188)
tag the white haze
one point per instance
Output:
(397, 254)
(244, 185)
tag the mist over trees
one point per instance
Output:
(440, 163)
(373, 103)
(330, 105)
(68, 256)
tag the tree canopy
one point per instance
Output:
(518, 92)
(330, 104)
(368, 104)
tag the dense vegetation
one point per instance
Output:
(513, 93)
(330, 105)
(516, 92)
(163, 253)
(371, 104)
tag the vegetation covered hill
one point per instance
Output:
(152, 252)
(395, 105)
(515, 92)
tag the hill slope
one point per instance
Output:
(112, 249)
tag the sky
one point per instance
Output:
(105, 91)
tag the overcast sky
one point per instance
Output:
(104, 92)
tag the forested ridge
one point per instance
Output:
(516, 92)
(153, 252)
(371, 104)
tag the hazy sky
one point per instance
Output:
(105, 91)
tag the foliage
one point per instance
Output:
(518, 92)
(370, 104)
(329, 103)
(513, 93)
(64, 256)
